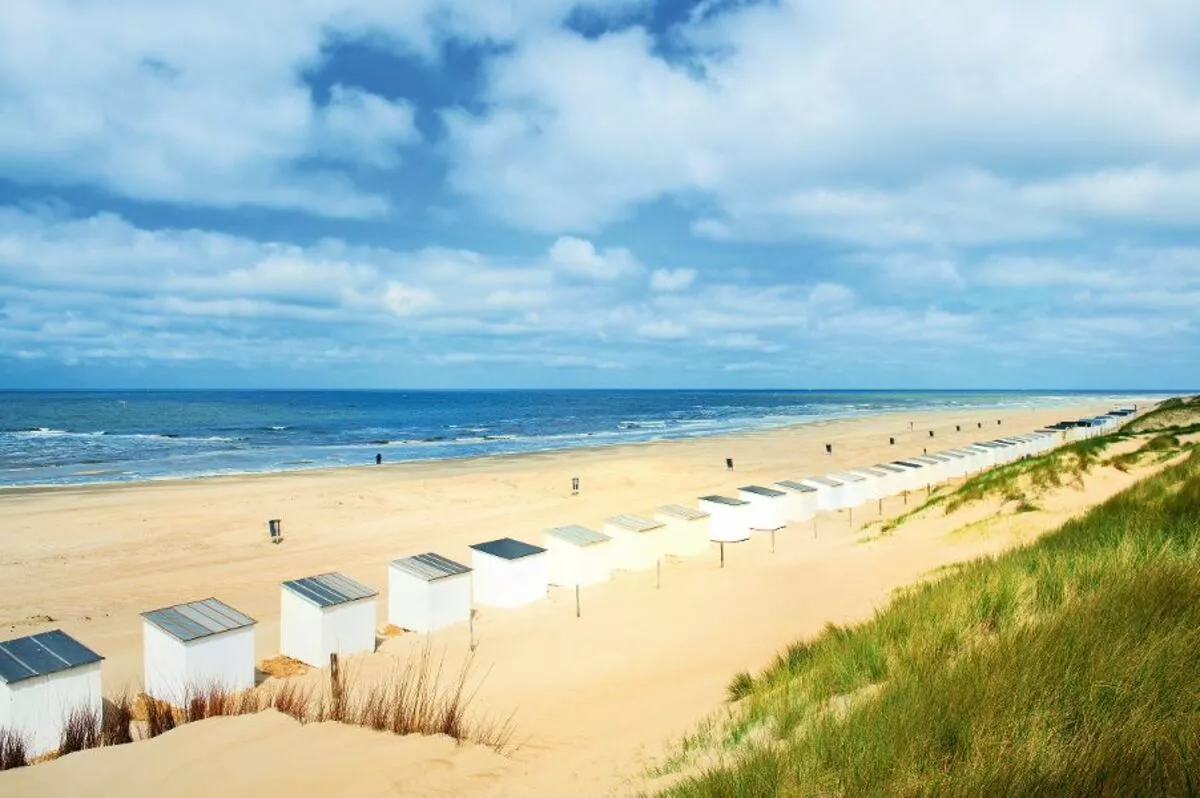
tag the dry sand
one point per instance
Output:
(593, 699)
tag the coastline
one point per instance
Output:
(580, 447)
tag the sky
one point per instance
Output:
(600, 193)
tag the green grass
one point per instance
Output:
(1067, 667)
(1171, 414)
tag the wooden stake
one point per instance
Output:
(472, 630)
(576, 601)
(658, 574)
(881, 505)
(335, 685)
(850, 514)
(722, 554)
(772, 541)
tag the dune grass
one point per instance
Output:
(1169, 415)
(14, 750)
(1067, 667)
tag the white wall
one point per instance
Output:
(766, 512)
(569, 565)
(509, 583)
(173, 668)
(728, 523)
(37, 708)
(635, 551)
(310, 633)
(428, 606)
(685, 538)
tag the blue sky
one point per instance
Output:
(607, 193)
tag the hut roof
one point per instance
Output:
(198, 619)
(42, 654)
(430, 567)
(578, 535)
(329, 590)
(507, 548)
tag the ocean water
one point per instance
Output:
(105, 436)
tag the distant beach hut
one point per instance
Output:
(854, 487)
(729, 519)
(577, 555)
(767, 507)
(326, 614)
(931, 470)
(428, 592)
(957, 463)
(687, 530)
(801, 500)
(198, 646)
(44, 680)
(638, 542)
(829, 491)
(509, 573)
(944, 468)
(913, 476)
(874, 482)
(896, 480)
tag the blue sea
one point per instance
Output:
(80, 437)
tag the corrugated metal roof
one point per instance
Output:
(926, 461)
(42, 654)
(939, 457)
(634, 523)
(578, 535)
(953, 453)
(796, 486)
(507, 548)
(759, 490)
(679, 511)
(895, 469)
(198, 619)
(723, 500)
(429, 567)
(847, 476)
(826, 481)
(908, 464)
(871, 472)
(329, 590)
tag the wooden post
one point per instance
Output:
(881, 505)
(772, 541)
(658, 574)
(335, 686)
(905, 498)
(472, 630)
(814, 527)
(722, 554)
(576, 601)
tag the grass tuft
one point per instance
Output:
(14, 750)
(740, 686)
(81, 731)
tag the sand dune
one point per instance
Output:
(593, 699)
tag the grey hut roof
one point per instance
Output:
(908, 464)
(759, 490)
(848, 476)
(925, 461)
(723, 500)
(684, 513)
(939, 457)
(634, 523)
(42, 654)
(871, 472)
(578, 535)
(827, 481)
(329, 590)
(791, 484)
(507, 548)
(197, 619)
(891, 467)
(954, 453)
(429, 567)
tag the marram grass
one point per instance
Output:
(1067, 667)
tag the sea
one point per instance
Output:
(82, 437)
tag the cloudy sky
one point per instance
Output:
(692, 193)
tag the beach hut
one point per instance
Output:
(829, 491)
(687, 529)
(767, 507)
(198, 646)
(801, 502)
(326, 614)
(854, 487)
(577, 555)
(428, 592)
(638, 543)
(874, 482)
(509, 573)
(44, 680)
(913, 478)
(957, 463)
(896, 480)
(729, 518)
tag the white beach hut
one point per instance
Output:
(801, 500)
(829, 492)
(509, 573)
(427, 592)
(895, 481)
(325, 614)
(767, 507)
(687, 529)
(44, 680)
(874, 482)
(198, 646)
(932, 472)
(578, 556)
(957, 463)
(854, 487)
(913, 478)
(729, 518)
(638, 543)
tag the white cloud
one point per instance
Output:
(749, 342)
(662, 330)
(579, 258)
(672, 279)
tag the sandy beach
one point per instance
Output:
(592, 699)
